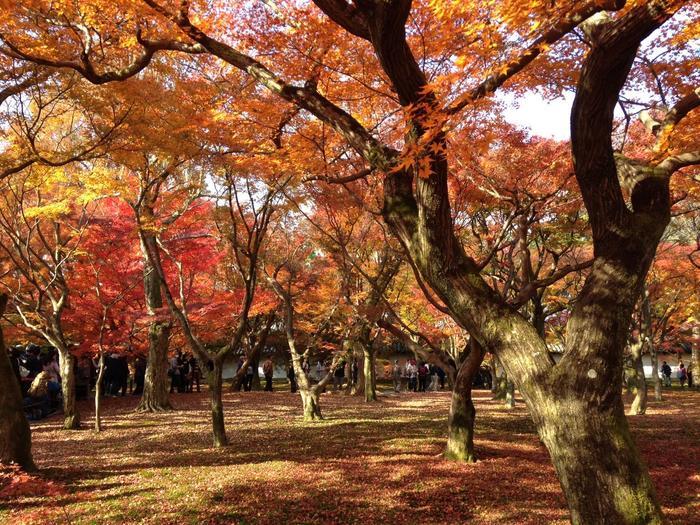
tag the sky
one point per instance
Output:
(542, 117)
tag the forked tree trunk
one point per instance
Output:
(460, 425)
(215, 382)
(156, 388)
(310, 404)
(71, 416)
(639, 404)
(15, 435)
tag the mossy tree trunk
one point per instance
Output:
(597, 463)
(156, 387)
(601, 473)
(460, 425)
(15, 434)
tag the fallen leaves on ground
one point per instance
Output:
(365, 463)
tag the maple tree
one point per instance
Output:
(398, 124)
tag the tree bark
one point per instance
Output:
(510, 394)
(71, 416)
(597, 462)
(648, 338)
(370, 372)
(215, 382)
(460, 425)
(98, 393)
(494, 377)
(156, 390)
(658, 396)
(310, 404)
(639, 404)
(15, 434)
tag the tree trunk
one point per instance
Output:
(369, 372)
(655, 372)
(155, 397)
(639, 404)
(648, 336)
(460, 426)
(597, 462)
(538, 316)
(500, 384)
(510, 394)
(494, 378)
(156, 388)
(358, 388)
(71, 416)
(98, 393)
(310, 404)
(215, 381)
(15, 435)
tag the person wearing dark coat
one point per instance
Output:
(139, 375)
(292, 379)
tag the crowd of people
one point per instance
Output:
(185, 373)
(683, 374)
(39, 375)
(411, 376)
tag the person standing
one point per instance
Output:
(174, 372)
(441, 377)
(682, 374)
(139, 375)
(195, 373)
(396, 375)
(292, 378)
(239, 367)
(339, 376)
(412, 375)
(184, 367)
(422, 377)
(248, 381)
(666, 374)
(268, 371)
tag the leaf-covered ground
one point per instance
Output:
(375, 463)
